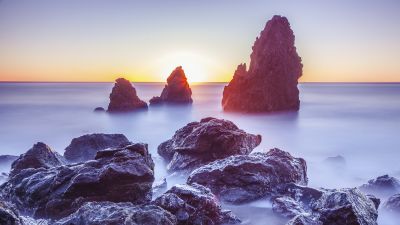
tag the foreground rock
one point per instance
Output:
(177, 89)
(194, 205)
(383, 186)
(109, 213)
(116, 175)
(39, 156)
(270, 83)
(392, 205)
(85, 147)
(199, 143)
(337, 206)
(124, 98)
(243, 178)
(9, 215)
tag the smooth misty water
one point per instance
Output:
(358, 121)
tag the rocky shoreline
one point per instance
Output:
(113, 183)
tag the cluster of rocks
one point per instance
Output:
(109, 180)
(270, 83)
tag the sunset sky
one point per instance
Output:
(97, 40)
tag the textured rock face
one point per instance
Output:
(194, 205)
(116, 175)
(177, 89)
(85, 147)
(270, 83)
(243, 178)
(39, 156)
(9, 215)
(333, 207)
(109, 213)
(199, 143)
(383, 186)
(124, 98)
(393, 204)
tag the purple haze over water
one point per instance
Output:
(361, 122)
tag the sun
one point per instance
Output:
(195, 66)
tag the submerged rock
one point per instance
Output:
(85, 147)
(199, 143)
(270, 83)
(109, 213)
(176, 90)
(39, 156)
(392, 205)
(124, 98)
(383, 186)
(194, 204)
(243, 178)
(117, 175)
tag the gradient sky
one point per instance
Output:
(82, 40)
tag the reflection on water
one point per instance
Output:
(358, 121)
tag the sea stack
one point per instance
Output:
(270, 83)
(124, 98)
(176, 90)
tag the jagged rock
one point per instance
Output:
(85, 147)
(117, 175)
(99, 109)
(393, 204)
(39, 156)
(199, 143)
(270, 84)
(382, 186)
(176, 90)
(194, 204)
(375, 200)
(324, 206)
(287, 207)
(124, 98)
(9, 215)
(303, 220)
(109, 213)
(243, 178)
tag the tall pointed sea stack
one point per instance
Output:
(176, 90)
(270, 84)
(123, 97)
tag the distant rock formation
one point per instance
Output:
(176, 90)
(270, 83)
(124, 98)
(383, 186)
(85, 147)
(199, 143)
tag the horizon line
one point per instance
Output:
(215, 82)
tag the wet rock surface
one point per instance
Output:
(110, 213)
(194, 204)
(39, 156)
(117, 175)
(243, 178)
(176, 90)
(85, 147)
(124, 98)
(199, 143)
(382, 186)
(270, 83)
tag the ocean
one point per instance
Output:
(359, 121)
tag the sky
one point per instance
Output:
(99, 40)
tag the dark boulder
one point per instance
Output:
(9, 214)
(124, 98)
(176, 90)
(117, 175)
(110, 213)
(392, 204)
(194, 204)
(382, 186)
(243, 178)
(199, 143)
(270, 83)
(39, 156)
(85, 147)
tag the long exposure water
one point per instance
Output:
(360, 122)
